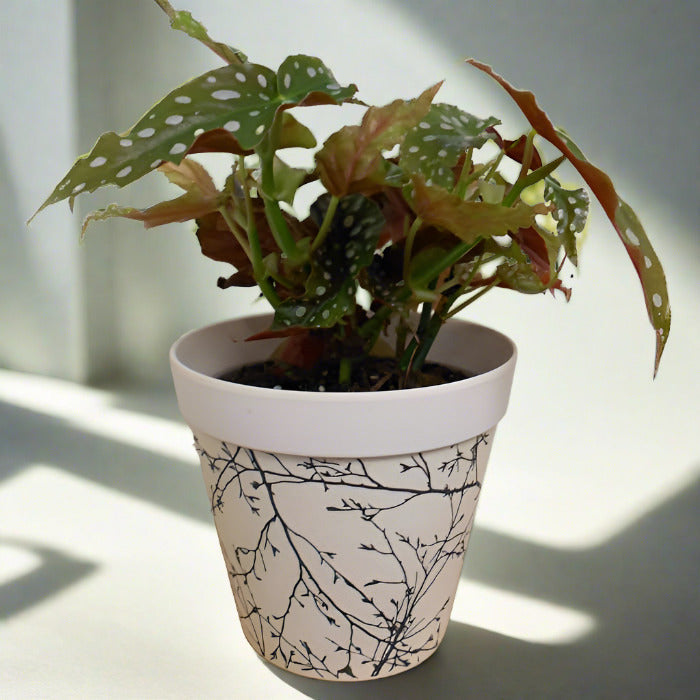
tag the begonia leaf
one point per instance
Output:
(242, 99)
(352, 157)
(349, 247)
(621, 215)
(200, 198)
(433, 147)
(184, 22)
(469, 221)
(570, 213)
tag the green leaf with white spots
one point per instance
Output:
(434, 146)
(650, 271)
(517, 272)
(570, 213)
(383, 278)
(352, 158)
(306, 81)
(242, 99)
(348, 249)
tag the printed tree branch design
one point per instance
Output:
(356, 596)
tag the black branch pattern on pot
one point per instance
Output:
(337, 565)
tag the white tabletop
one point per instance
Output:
(580, 580)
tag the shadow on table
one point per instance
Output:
(641, 587)
(55, 572)
(30, 438)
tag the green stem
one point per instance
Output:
(255, 257)
(416, 353)
(527, 154)
(531, 179)
(450, 258)
(345, 371)
(471, 300)
(278, 225)
(233, 226)
(464, 177)
(326, 223)
(494, 165)
(408, 248)
(407, 359)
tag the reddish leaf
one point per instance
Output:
(352, 157)
(622, 217)
(469, 221)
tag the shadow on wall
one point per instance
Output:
(636, 63)
(22, 295)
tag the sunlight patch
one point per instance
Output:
(519, 616)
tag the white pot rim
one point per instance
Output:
(335, 424)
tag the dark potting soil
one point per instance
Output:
(371, 374)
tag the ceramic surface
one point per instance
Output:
(344, 569)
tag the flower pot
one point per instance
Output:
(343, 518)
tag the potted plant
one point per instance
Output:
(343, 436)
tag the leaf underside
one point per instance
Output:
(621, 215)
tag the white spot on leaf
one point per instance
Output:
(631, 237)
(657, 300)
(233, 125)
(96, 162)
(178, 148)
(225, 94)
(183, 99)
(126, 143)
(145, 133)
(173, 119)
(124, 171)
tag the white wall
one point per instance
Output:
(611, 72)
(41, 328)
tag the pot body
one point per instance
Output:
(343, 518)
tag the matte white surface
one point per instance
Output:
(385, 423)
